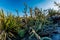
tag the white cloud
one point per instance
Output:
(48, 5)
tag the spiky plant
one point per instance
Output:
(8, 24)
(31, 12)
(52, 12)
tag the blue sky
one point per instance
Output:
(11, 5)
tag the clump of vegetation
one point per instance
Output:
(11, 25)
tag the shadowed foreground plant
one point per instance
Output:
(46, 38)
